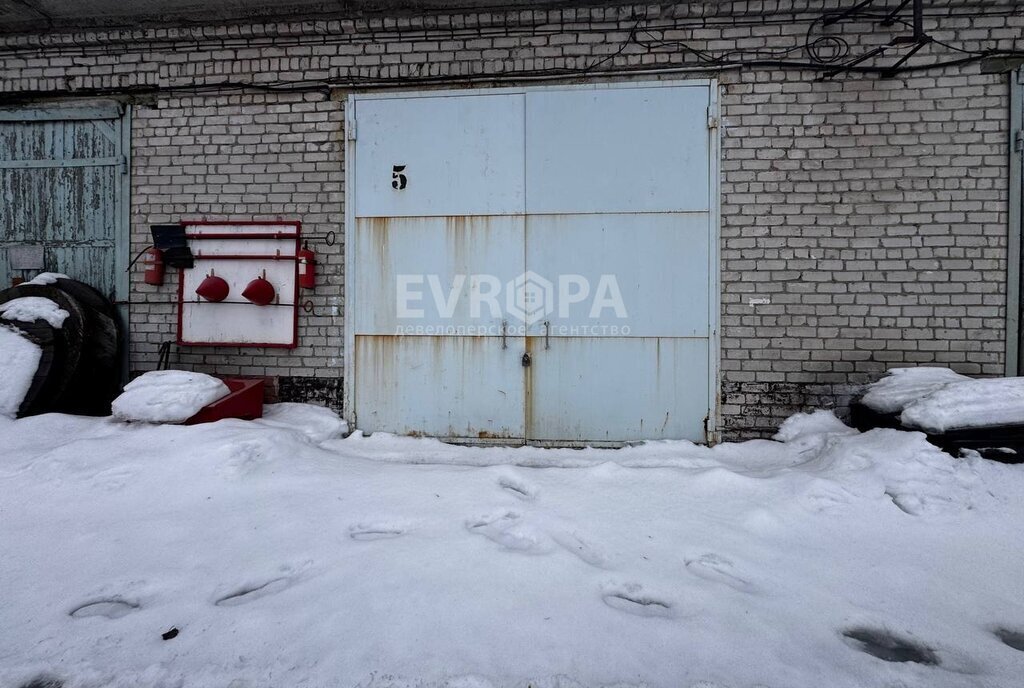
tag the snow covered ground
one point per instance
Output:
(288, 557)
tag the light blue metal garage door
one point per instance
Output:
(64, 194)
(534, 265)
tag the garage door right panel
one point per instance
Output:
(618, 198)
(621, 150)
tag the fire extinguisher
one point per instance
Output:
(307, 267)
(154, 262)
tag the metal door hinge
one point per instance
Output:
(713, 116)
(124, 164)
(350, 129)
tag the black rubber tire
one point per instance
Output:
(1003, 443)
(866, 418)
(40, 334)
(98, 378)
(66, 347)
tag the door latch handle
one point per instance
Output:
(527, 360)
(504, 334)
(547, 334)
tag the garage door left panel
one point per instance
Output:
(63, 194)
(438, 221)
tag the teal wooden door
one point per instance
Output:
(64, 194)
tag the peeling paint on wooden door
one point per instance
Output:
(64, 194)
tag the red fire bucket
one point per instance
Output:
(259, 291)
(213, 288)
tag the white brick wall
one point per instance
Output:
(242, 157)
(871, 212)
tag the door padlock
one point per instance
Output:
(527, 360)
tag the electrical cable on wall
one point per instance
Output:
(827, 54)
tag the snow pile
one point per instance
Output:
(904, 386)
(19, 359)
(287, 562)
(167, 396)
(31, 308)
(319, 424)
(45, 278)
(921, 480)
(938, 399)
(809, 424)
(969, 404)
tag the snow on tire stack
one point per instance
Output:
(958, 413)
(60, 344)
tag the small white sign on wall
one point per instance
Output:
(256, 305)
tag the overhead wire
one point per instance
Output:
(631, 38)
(431, 30)
(828, 54)
(837, 49)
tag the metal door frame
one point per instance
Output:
(1015, 228)
(713, 424)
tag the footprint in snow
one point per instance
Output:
(508, 530)
(43, 681)
(249, 593)
(245, 458)
(375, 531)
(1011, 638)
(824, 496)
(717, 569)
(585, 550)
(112, 608)
(518, 488)
(114, 478)
(907, 506)
(631, 599)
(888, 646)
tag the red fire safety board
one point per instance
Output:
(253, 258)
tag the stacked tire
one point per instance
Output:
(80, 368)
(1002, 443)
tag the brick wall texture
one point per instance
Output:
(864, 220)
